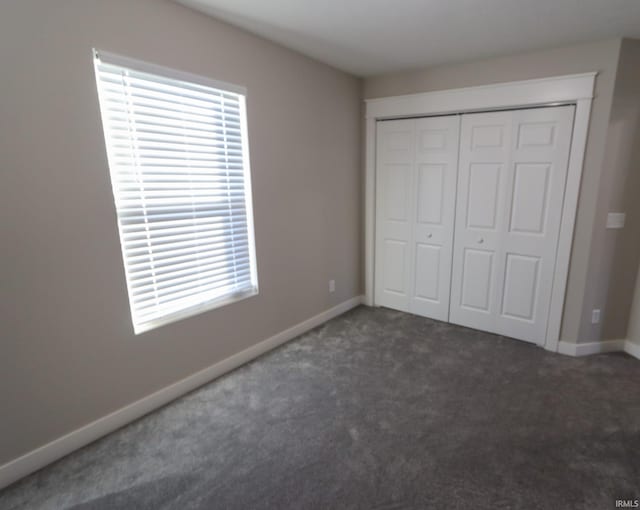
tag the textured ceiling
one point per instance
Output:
(367, 37)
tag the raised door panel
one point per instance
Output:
(395, 189)
(430, 196)
(477, 280)
(428, 267)
(486, 135)
(530, 197)
(536, 134)
(395, 275)
(521, 285)
(483, 195)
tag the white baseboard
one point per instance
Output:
(632, 349)
(571, 349)
(586, 349)
(40, 457)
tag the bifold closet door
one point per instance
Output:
(512, 174)
(416, 169)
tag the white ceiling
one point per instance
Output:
(367, 37)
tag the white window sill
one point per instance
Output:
(195, 310)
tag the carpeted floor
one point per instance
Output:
(374, 410)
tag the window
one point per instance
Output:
(179, 161)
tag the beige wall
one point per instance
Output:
(599, 56)
(69, 355)
(619, 250)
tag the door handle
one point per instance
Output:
(429, 236)
(480, 241)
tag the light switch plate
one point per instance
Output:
(615, 220)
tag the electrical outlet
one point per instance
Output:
(595, 316)
(615, 220)
(332, 285)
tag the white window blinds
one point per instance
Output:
(179, 162)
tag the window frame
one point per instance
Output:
(170, 73)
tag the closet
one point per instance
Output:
(468, 211)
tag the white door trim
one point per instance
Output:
(575, 89)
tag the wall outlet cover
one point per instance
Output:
(615, 220)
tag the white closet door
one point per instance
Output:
(416, 170)
(511, 181)
(394, 182)
(434, 211)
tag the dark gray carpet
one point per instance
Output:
(374, 410)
